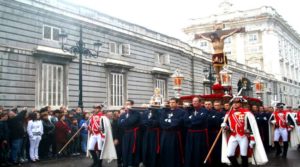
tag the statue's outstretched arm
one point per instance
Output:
(231, 33)
(201, 36)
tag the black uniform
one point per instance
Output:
(214, 120)
(151, 137)
(196, 148)
(171, 144)
(130, 122)
(262, 119)
(117, 133)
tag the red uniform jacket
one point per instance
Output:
(95, 125)
(281, 119)
(237, 121)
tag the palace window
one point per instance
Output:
(161, 84)
(162, 59)
(51, 33)
(116, 89)
(253, 38)
(52, 85)
(203, 44)
(119, 49)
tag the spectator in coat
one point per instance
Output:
(48, 135)
(4, 139)
(15, 125)
(84, 131)
(75, 143)
(62, 133)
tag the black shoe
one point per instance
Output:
(99, 163)
(95, 158)
(233, 161)
(285, 149)
(244, 161)
(278, 153)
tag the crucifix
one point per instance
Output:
(217, 38)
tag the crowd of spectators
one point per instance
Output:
(31, 136)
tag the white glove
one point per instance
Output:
(290, 128)
(84, 125)
(252, 144)
(224, 125)
(168, 120)
(273, 122)
(190, 117)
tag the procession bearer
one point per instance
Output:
(283, 123)
(171, 143)
(100, 138)
(243, 132)
(196, 148)
(130, 122)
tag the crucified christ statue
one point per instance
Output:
(217, 38)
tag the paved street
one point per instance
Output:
(293, 160)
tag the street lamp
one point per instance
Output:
(177, 80)
(208, 77)
(80, 50)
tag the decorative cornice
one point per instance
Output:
(117, 64)
(44, 50)
(156, 70)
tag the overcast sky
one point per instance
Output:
(170, 16)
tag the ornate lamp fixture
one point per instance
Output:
(177, 81)
(258, 85)
(225, 77)
(80, 46)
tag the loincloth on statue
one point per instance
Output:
(219, 59)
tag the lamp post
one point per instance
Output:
(177, 80)
(209, 77)
(80, 50)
